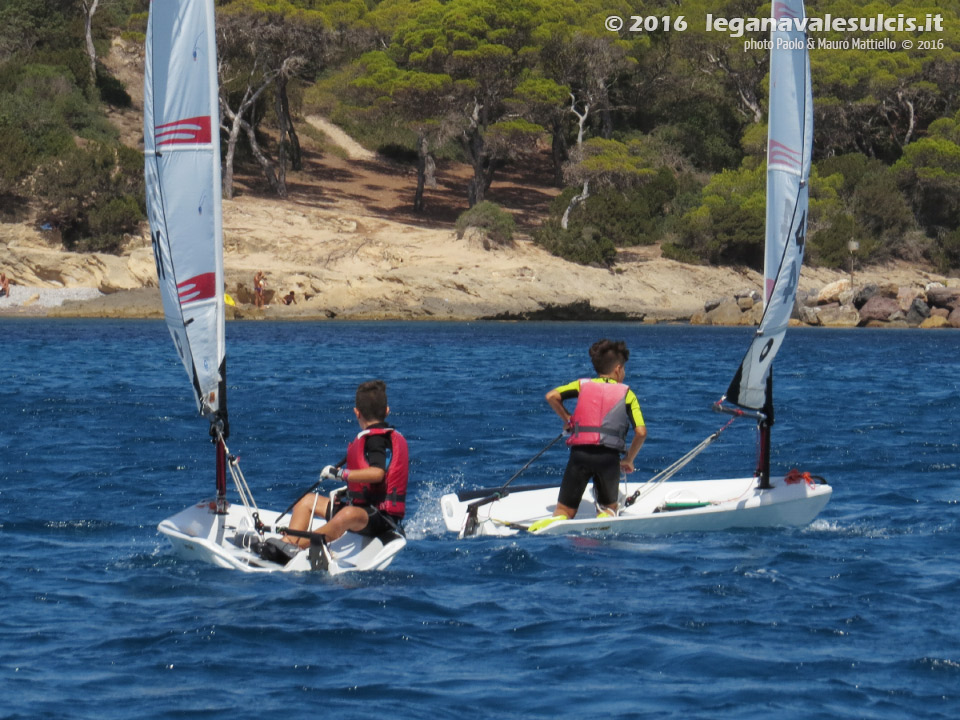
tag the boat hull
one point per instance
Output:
(703, 505)
(199, 533)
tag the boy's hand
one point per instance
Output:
(331, 472)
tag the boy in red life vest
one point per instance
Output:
(606, 410)
(376, 488)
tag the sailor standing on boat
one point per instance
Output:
(606, 410)
(376, 473)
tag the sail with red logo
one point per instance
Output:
(789, 152)
(182, 170)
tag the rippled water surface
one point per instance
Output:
(853, 616)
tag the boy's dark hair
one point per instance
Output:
(607, 354)
(372, 400)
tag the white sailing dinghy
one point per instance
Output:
(182, 170)
(759, 501)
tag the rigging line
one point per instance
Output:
(667, 473)
(240, 482)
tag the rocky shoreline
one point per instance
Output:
(839, 304)
(836, 305)
(341, 264)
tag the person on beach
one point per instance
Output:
(376, 472)
(259, 282)
(289, 299)
(4, 285)
(605, 412)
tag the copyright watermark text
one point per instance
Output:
(736, 27)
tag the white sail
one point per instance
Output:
(789, 150)
(182, 170)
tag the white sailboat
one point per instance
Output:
(759, 501)
(182, 170)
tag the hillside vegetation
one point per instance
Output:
(657, 137)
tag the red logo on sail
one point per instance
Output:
(780, 154)
(201, 287)
(782, 10)
(190, 131)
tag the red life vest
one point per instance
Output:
(389, 495)
(601, 416)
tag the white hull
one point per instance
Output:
(735, 503)
(198, 533)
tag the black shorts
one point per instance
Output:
(591, 462)
(378, 522)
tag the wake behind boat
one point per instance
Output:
(182, 171)
(760, 501)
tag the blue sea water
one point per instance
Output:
(853, 616)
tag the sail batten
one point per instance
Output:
(789, 153)
(182, 172)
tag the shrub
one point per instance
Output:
(497, 224)
(112, 90)
(585, 245)
(727, 226)
(948, 252)
(92, 195)
(628, 217)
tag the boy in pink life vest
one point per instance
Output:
(605, 412)
(376, 473)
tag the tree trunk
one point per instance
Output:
(559, 151)
(236, 124)
(283, 125)
(228, 161)
(574, 201)
(473, 146)
(606, 123)
(277, 184)
(421, 172)
(288, 131)
(233, 134)
(89, 11)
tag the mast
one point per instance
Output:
(183, 179)
(789, 154)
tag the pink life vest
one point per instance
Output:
(601, 416)
(390, 494)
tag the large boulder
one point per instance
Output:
(906, 296)
(878, 309)
(831, 293)
(862, 295)
(728, 313)
(954, 318)
(809, 315)
(842, 316)
(713, 304)
(935, 321)
(753, 316)
(942, 297)
(917, 312)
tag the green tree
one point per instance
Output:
(728, 226)
(929, 172)
(482, 47)
(264, 45)
(93, 195)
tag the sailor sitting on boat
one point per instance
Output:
(606, 410)
(376, 490)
